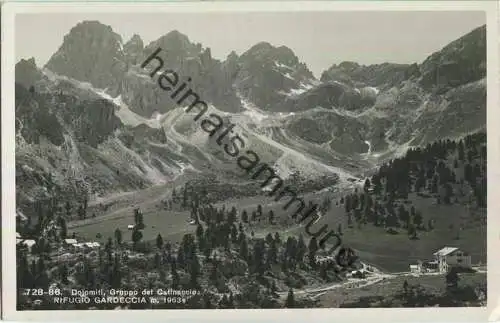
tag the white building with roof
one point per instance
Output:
(70, 241)
(86, 246)
(451, 256)
(92, 245)
(79, 245)
(416, 268)
(29, 243)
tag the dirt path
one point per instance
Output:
(376, 277)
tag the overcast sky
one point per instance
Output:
(319, 39)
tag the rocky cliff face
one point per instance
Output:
(75, 138)
(328, 96)
(207, 77)
(378, 75)
(267, 75)
(46, 115)
(133, 50)
(27, 74)
(460, 62)
(91, 52)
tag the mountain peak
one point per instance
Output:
(27, 72)
(136, 39)
(176, 43)
(93, 27)
(265, 48)
(261, 46)
(133, 49)
(175, 37)
(459, 62)
(232, 56)
(90, 52)
(28, 62)
(348, 65)
(266, 51)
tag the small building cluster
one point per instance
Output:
(22, 219)
(81, 245)
(444, 259)
(67, 243)
(29, 243)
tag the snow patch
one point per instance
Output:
(285, 115)
(127, 116)
(255, 114)
(281, 65)
(27, 168)
(374, 89)
(369, 146)
(302, 88)
(137, 74)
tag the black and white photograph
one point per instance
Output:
(211, 159)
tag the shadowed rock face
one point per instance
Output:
(133, 50)
(328, 95)
(267, 73)
(208, 77)
(77, 140)
(27, 74)
(343, 134)
(378, 75)
(460, 62)
(91, 52)
(48, 115)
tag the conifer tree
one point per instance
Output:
(258, 257)
(271, 217)
(194, 270)
(68, 209)
(175, 275)
(244, 216)
(313, 248)
(290, 300)
(244, 248)
(277, 238)
(64, 228)
(301, 248)
(234, 234)
(118, 237)
(159, 241)
(348, 203)
(136, 236)
(174, 195)
(199, 233)
(63, 273)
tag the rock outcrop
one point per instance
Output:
(91, 52)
